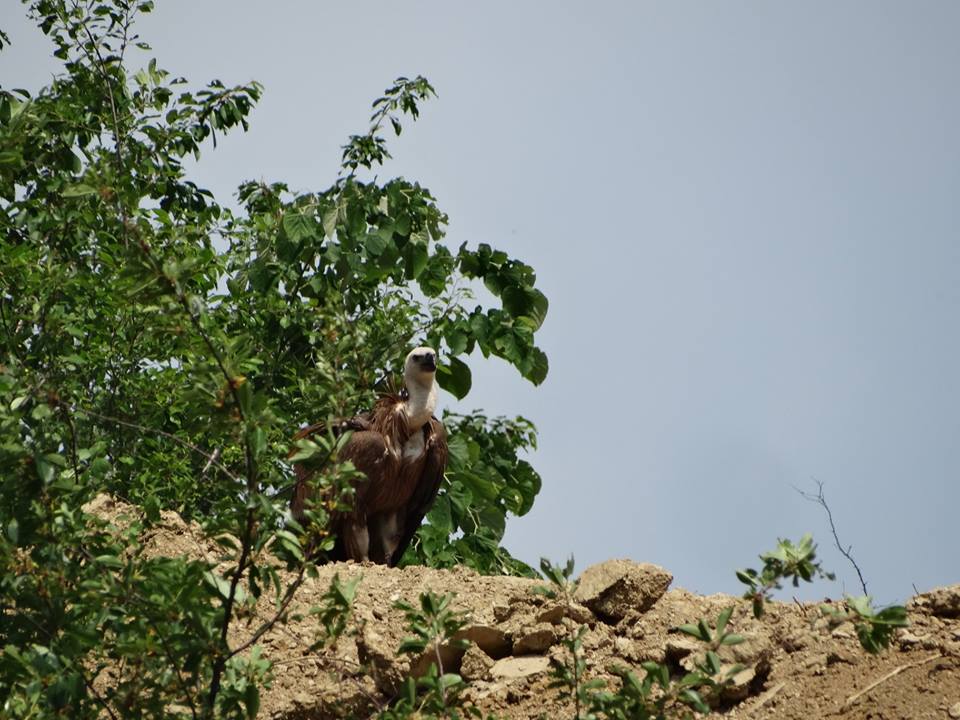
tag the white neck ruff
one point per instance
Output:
(421, 404)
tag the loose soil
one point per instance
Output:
(798, 667)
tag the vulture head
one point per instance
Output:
(420, 367)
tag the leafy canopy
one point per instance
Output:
(163, 347)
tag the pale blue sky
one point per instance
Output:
(745, 215)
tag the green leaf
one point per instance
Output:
(78, 190)
(45, 469)
(539, 366)
(528, 302)
(375, 244)
(251, 698)
(415, 257)
(110, 561)
(695, 631)
(693, 699)
(455, 377)
(722, 619)
(299, 226)
(330, 218)
(258, 441)
(713, 662)
(732, 639)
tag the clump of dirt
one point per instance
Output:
(797, 667)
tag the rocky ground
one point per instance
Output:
(796, 666)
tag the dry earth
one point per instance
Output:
(798, 668)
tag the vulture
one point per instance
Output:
(401, 448)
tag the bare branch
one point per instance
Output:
(821, 500)
(211, 459)
(268, 624)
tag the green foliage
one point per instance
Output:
(568, 673)
(874, 627)
(562, 585)
(159, 346)
(433, 624)
(335, 610)
(718, 635)
(435, 694)
(660, 694)
(486, 479)
(787, 561)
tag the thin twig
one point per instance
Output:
(822, 501)
(88, 682)
(188, 696)
(211, 459)
(896, 671)
(73, 442)
(268, 624)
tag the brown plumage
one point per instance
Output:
(402, 450)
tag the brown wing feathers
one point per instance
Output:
(431, 477)
(408, 486)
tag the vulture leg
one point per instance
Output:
(388, 531)
(356, 540)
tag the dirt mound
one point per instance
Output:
(796, 665)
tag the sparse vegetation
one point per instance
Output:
(158, 347)
(661, 693)
(798, 562)
(786, 562)
(874, 627)
(434, 694)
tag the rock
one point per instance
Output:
(450, 656)
(492, 640)
(907, 639)
(475, 664)
(679, 647)
(535, 641)
(840, 656)
(755, 648)
(954, 711)
(943, 602)
(578, 613)
(739, 688)
(844, 631)
(514, 668)
(387, 671)
(614, 588)
(625, 649)
(595, 641)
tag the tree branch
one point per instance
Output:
(210, 458)
(821, 500)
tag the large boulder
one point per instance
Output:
(617, 588)
(941, 602)
(489, 638)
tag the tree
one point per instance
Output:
(162, 347)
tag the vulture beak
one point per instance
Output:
(429, 362)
